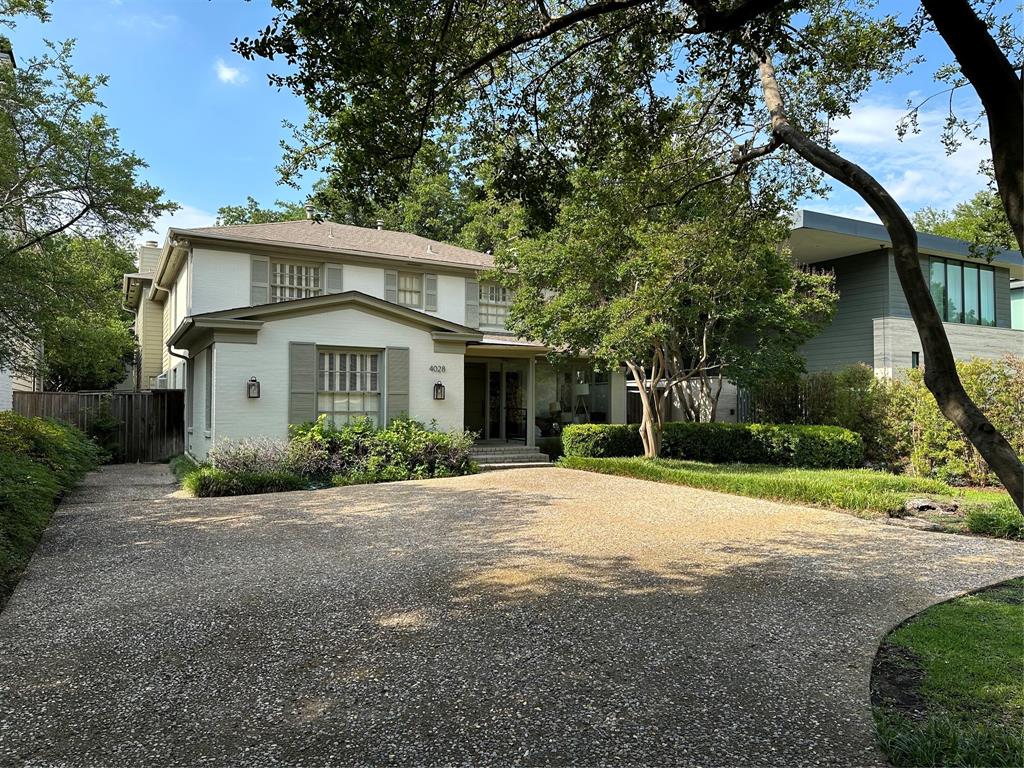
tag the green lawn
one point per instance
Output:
(958, 697)
(862, 491)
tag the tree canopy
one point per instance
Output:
(253, 213)
(981, 221)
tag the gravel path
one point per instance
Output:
(534, 616)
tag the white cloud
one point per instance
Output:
(229, 75)
(185, 217)
(916, 171)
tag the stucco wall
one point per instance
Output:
(236, 416)
(896, 338)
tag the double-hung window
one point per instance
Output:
(494, 303)
(294, 280)
(410, 289)
(348, 385)
(963, 292)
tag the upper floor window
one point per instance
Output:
(410, 289)
(293, 280)
(494, 303)
(963, 292)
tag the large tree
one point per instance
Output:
(253, 213)
(63, 173)
(684, 295)
(544, 88)
(981, 221)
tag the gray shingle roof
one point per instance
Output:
(345, 237)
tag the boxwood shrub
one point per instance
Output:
(780, 444)
(39, 461)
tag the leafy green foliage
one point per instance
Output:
(181, 466)
(860, 491)
(970, 655)
(39, 460)
(934, 445)
(1002, 520)
(211, 481)
(252, 213)
(64, 173)
(779, 444)
(981, 221)
(319, 454)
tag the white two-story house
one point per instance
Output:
(267, 325)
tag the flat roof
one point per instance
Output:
(817, 236)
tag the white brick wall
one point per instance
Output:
(236, 416)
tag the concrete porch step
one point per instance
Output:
(513, 465)
(510, 458)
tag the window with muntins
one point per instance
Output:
(494, 303)
(292, 280)
(348, 386)
(963, 292)
(410, 289)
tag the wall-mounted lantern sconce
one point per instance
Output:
(252, 388)
(438, 390)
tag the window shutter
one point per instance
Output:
(472, 303)
(333, 281)
(301, 382)
(396, 378)
(259, 292)
(430, 293)
(391, 286)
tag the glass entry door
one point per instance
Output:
(506, 403)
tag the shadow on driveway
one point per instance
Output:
(538, 616)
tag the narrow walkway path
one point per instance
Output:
(533, 616)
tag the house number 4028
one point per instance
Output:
(437, 369)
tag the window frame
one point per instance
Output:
(959, 266)
(420, 291)
(488, 308)
(317, 290)
(335, 371)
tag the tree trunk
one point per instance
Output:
(940, 375)
(999, 87)
(650, 421)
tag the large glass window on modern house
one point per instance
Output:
(348, 386)
(963, 292)
(494, 302)
(410, 289)
(293, 280)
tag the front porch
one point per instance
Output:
(513, 394)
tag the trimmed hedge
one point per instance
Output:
(39, 461)
(211, 481)
(779, 444)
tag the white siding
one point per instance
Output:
(236, 416)
(220, 280)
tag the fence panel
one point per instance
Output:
(144, 426)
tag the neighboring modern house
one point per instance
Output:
(267, 325)
(873, 324)
(1017, 304)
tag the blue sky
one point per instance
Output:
(209, 125)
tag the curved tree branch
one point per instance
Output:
(940, 376)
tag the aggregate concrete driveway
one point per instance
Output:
(535, 616)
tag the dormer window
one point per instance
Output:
(294, 280)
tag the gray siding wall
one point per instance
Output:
(896, 338)
(863, 285)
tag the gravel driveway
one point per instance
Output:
(535, 616)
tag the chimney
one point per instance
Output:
(380, 223)
(151, 244)
(310, 211)
(6, 53)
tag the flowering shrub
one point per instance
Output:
(320, 454)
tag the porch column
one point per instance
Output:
(531, 402)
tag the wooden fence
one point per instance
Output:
(133, 426)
